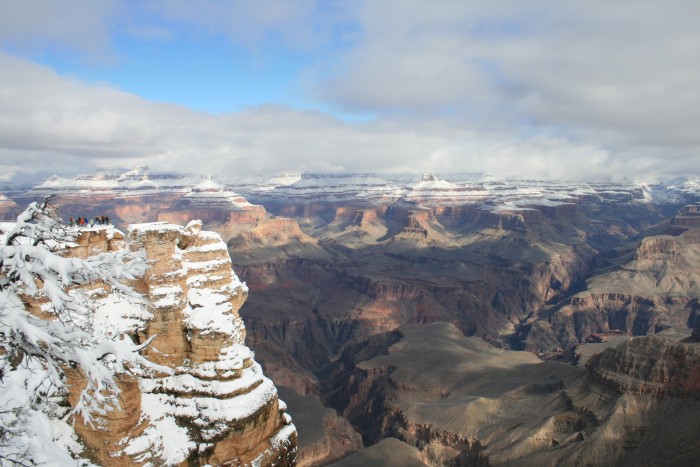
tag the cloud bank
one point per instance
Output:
(561, 90)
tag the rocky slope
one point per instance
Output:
(214, 406)
(214, 205)
(652, 284)
(461, 402)
(323, 435)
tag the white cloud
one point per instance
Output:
(619, 74)
(553, 89)
(74, 24)
(51, 122)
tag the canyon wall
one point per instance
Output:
(214, 405)
(341, 269)
(459, 401)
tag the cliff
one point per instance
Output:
(455, 400)
(649, 365)
(214, 205)
(654, 284)
(215, 406)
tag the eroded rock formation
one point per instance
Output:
(459, 401)
(652, 285)
(215, 406)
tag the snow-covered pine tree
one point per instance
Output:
(35, 352)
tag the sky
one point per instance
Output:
(566, 90)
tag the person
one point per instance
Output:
(71, 221)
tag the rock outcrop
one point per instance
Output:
(649, 365)
(454, 400)
(323, 435)
(653, 285)
(214, 406)
(541, 266)
(213, 204)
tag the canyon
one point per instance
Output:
(465, 322)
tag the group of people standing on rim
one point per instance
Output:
(84, 222)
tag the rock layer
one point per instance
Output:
(649, 365)
(459, 401)
(214, 406)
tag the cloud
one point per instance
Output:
(537, 88)
(90, 29)
(55, 123)
(31, 25)
(622, 75)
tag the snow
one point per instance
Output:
(231, 360)
(168, 301)
(284, 179)
(209, 312)
(169, 443)
(209, 184)
(199, 280)
(432, 185)
(159, 227)
(218, 246)
(428, 190)
(207, 266)
(117, 314)
(166, 289)
(45, 434)
(212, 414)
(212, 395)
(430, 182)
(134, 183)
(248, 379)
(209, 235)
(215, 199)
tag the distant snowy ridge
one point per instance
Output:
(130, 184)
(427, 189)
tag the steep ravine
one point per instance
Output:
(466, 403)
(309, 315)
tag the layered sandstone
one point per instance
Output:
(650, 365)
(652, 285)
(214, 204)
(504, 261)
(688, 217)
(459, 401)
(213, 405)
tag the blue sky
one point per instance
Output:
(210, 74)
(536, 88)
(187, 65)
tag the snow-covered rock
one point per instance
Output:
(215, 406)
